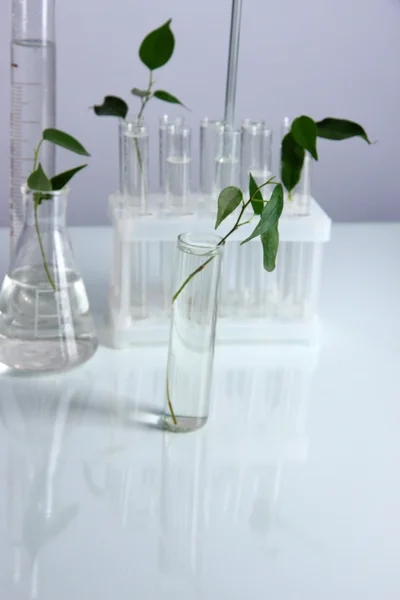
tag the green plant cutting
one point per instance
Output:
(155, 51)
(301, 138)
(41, 185)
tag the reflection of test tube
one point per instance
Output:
(165, 121)
(183, 495)
(133, 162)
(178, 165)
(33, 91)
(227, 170)
(209, 139)
(256, 152)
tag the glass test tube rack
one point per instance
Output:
(254, 305)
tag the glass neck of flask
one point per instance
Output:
(51, 212)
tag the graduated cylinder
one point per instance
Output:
(33, 96)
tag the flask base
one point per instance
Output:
(46, 356)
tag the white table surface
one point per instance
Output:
(291, 492)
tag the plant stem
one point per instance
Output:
(184, 284)
(139, 117)
(147, 98)
(45, 265)
(171, 410)
(36, 155)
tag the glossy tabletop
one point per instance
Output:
(290, 492)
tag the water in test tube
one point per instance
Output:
(33, 91)
(227, 169)
(178, 173)
(134, 162)
(165, 121)
(256, 152)
(209, 141)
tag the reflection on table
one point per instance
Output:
(91, 438)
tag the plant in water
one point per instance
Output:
(41, 185)
(154, 52)
(301, 138)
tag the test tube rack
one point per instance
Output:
(254, 306)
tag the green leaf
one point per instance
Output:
(228, 201)
(38, 180)
(292, 158)
(340, 129)
(157, 47)
(257, 202)
(140, 93)
(61, 180)
(270, 215)
(270, 244)
(112, 107)
(304, 132)
(60, 138)
(167, 97)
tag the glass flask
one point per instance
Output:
(45, 319)
(192, 333)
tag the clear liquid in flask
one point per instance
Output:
(42, 329)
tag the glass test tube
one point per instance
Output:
(165, 121)
(33, 91)
(178, 176)
(227, 170)
(134, 162)
(285, 126)
(256, 152)
(301, 195)
(209, 139)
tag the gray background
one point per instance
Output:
(318, 57)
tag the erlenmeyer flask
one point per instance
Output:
(45, 318)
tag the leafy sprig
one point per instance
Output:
(40, 184)
(155, 51)
(301, 138)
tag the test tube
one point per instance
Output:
(209, 139)
(134, 162)
(303, 188)
(178, 176)
(227, 170)
(300, 203)
(285, 126)
(165, 120)
(33, 95)
(256, 152)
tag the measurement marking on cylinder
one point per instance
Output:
(18, 84)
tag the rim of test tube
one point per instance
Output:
(202, 244)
